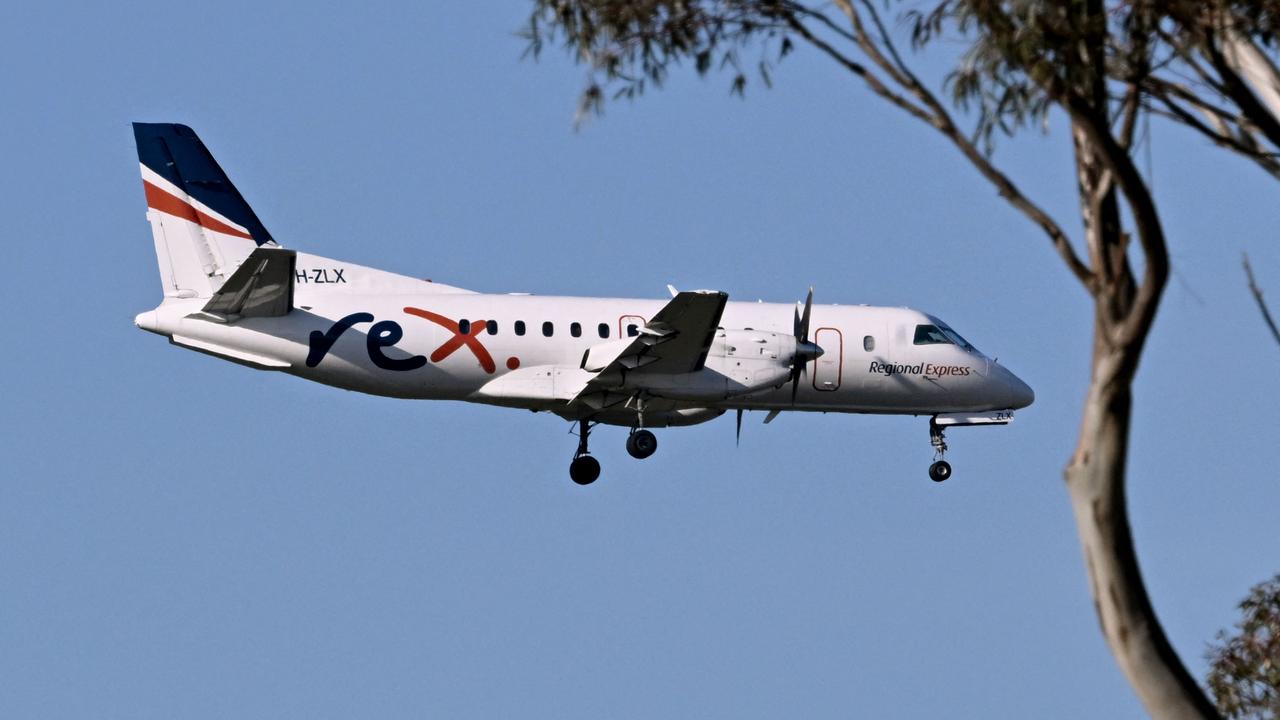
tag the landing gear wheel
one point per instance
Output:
(940, 471)
(584, 469)
(641, 444)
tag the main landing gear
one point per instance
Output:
(940, 469)
(641, 444)
(585, 469)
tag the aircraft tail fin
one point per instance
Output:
(202, 227)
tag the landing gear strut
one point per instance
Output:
(940, 469)
(641, 444)
(584, 469)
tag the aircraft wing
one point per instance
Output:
(261, 287)
(674, 341)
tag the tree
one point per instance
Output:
(1215, 75)
(1244, 669)
(1107, 67)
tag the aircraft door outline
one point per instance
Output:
(626, 320)
(828, 370)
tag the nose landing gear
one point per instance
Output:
(940, 469)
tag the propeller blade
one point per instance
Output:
(737, 439)
(772, 414)
(802, 327)
(797, 374)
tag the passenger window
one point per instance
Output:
(930, 335)
(548, 329)
(520, 327)
(603, 329)
(464, 327)
(575, 329)
(491, 327)
(632, 330)
(868, 343)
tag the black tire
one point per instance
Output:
(940, 471)
(584, 469)
(641, 444)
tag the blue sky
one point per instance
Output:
(183, 537)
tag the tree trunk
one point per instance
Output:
(1124, 312)
(1096, 481)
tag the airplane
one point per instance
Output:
(233, 292)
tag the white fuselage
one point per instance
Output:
(386, 334)
(232, 291)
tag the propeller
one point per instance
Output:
(805, 350)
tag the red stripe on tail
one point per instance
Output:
(158, 199)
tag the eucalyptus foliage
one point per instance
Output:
(1244, 672)
(1173, 58)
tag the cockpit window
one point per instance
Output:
(931, 335)
(940, 334)
(955, 338)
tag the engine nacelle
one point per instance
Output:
(739, 362)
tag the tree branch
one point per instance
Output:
(1266, 161)
(1167, 90)
(1146, 220)
(1129, 115)
(874, 82)
(1235, 88)
(1262, 305)
(938, 117)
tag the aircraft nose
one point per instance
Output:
(1020, 393)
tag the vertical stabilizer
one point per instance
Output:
(202, 227)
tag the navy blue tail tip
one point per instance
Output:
(176, 153)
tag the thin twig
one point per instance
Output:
(1257, 295)
(941, 120)
(1266, 161)
(875, 83)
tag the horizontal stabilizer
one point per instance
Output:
(234, 354)
(261, 287)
